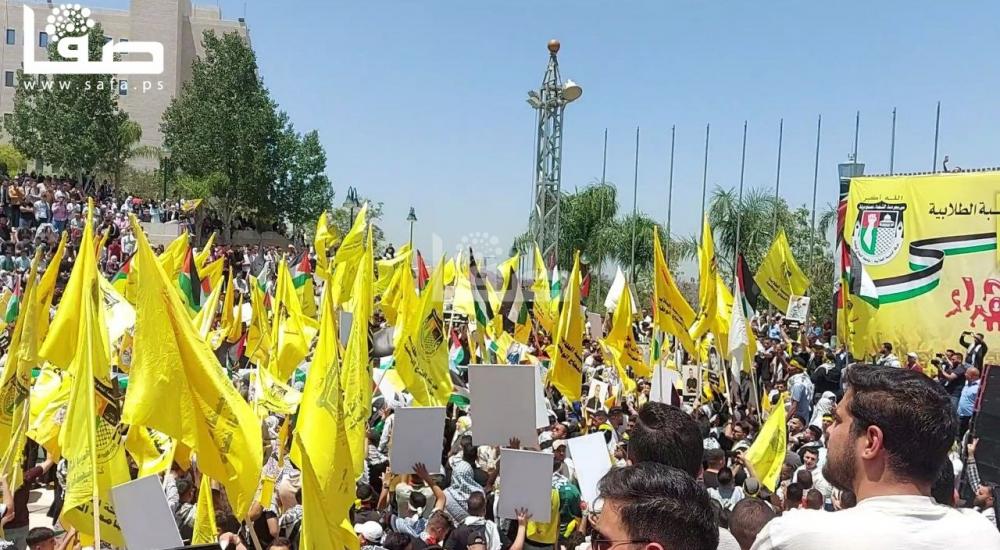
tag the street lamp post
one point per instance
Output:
(352, 202)
(550, 101)
(411, 217)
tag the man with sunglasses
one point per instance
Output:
(650, 506)
(890, 437)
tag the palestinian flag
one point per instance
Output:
(480, 297)
(301, 271)
(861, 282)
(193, 289)
(585, 286)
(422, 274)
(556, 284)
(456, 355)
(514, 308)
(748, 287)
(121, 278)
(14, 304)
(302, 280)
(460, 395)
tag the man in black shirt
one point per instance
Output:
(953, 375)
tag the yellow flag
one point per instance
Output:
(567, 363)
(707, 272)
(49, 397)
(202, 256)
(47, 289)
(541, 307)
(205, 318)
(622, 339)
(356, 376)
(345, 262)
(325, 238)
(463, 301)
(228, 321)
(15, 382)
(258, 347)
(213, 272)
(449, 271)
(150, 459)
(321, 447)
(172, 258)
(205, 531)
(778, 275)
(505, 267)
(422, 358)
(673, 314)
(723, 315)
(176, 386)
(291, 334)
(95, 458)
(272, 394)
(767, 453)
(400, 296)
(389, 269)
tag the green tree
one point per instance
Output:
(69, 121)
(304, 190)
(224, 124)
(340, 218)
(11, 160)
(123, 146)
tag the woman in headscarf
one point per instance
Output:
(823, 407)
(462, 484)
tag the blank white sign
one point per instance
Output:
(417, 436)
(591, 461)
(143, 514)
(541, 411)
(502, 404)
(525, 482)
(663, 380)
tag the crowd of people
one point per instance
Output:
(878, 453)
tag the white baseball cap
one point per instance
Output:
(370, 530)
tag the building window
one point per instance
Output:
(123, 87)
(120, 40)
(8, 79)
(43, 39)
(8, 121)
(11, 37)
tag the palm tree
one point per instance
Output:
(122, 146)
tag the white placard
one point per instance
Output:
(497, 393)
(417, 435)
(541, 411)
(591, 461)
(596, 326)
(526, 482)
(143, 514)
(663, 380)
(798, 308)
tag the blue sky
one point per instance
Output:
(421, 103)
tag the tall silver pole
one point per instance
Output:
(670, 185)
(635, 201)
(819, 127)
(892, 144)
(937, 129)
(604, 172)
(704, 179)
(857, 133)
(777, 176)
(739, 203)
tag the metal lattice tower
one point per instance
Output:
(550, 102)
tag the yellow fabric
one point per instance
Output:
(177, 386)
(449, 271)
(463, 302)
(546, 533)
(258, 347)
(22, 356)
(150, 459)
(356, 376)
(767, 453)
(622, 339)
(95, 457)
(213, 272)
(345, 262)
(505, 267)
(723, 315)
(918, 315)
(399, 297)
(47, 289)
(779, 275)
(388, 269)
(49, 396)
(421, 357)
(172, 258)
(273, 394)
(202, 256)
(707, 272)
(326, 237)
(205, 531)
(673, 314)
(542, 292)
(567, 363)
(205, 318)
(291, 334)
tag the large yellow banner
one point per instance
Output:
(929, 243)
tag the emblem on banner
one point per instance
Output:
(878, 232)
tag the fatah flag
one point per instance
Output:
(484, 312)
(514, 309)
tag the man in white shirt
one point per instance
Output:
(811, 464)
(889, 439)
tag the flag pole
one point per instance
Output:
(604, 173)
(670, 185)
(937, 129)
(704, 179)
(739, 204)
(635, 201)
(857, 133)
(812, 250)
(892, 145)
(777, 177)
